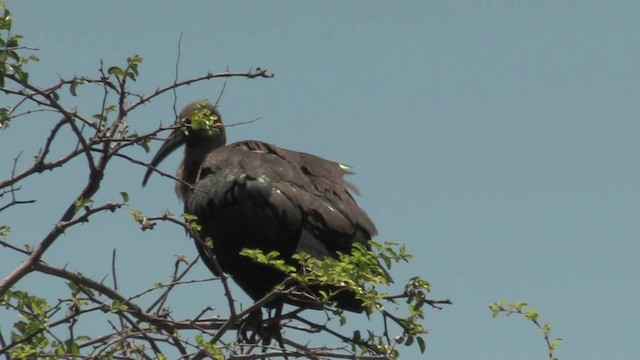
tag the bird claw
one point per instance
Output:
(262, 330)
(251, 323)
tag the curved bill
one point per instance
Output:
(174, 141)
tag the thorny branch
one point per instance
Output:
(12, 190)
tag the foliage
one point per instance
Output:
(56, 327)
(202, 118)
(360, 273)
(520, 308)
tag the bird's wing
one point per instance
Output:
(295, 201)
(331, 212)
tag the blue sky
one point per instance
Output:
(498, 140)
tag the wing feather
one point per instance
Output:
(286, 201)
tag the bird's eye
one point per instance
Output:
(186, 121)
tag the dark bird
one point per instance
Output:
(254, 195)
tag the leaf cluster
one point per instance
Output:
(202, 119)
(520, 308)
(360, 273)
(11, 61)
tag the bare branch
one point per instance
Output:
(12, 190)
(249, 74)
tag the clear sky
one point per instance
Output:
(497, 139)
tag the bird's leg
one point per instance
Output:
(278, 333)
(272, 329)
(253, 323)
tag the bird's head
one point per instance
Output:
(200, 128)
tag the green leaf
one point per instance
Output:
(519, 305)
(72, 88)
(532, 314)
(73, 286)
(125, 196)
(356, 336)
(387, 262)
(114, 70)
(117, 306)
(191, 221)
(21, 326)
(72, 347)
(23, 77)
(145, 145)
(409, 341)
(555, 343)
(99, 117)
(4, 114)
(214, 352)
(4, 230)
(80, 203)
(421, 344)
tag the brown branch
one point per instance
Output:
(86, 147)
(177, 71)
(38, 168)
(3, 345)
(122, 317)
(343, 338)
(175, 281)
(15, 202)
(27, 266)
(26, 338)
(436, 304)
(14, 248)
(249, 74)
(47, 145)
(132, 308)
(49, 101)
(12, 190)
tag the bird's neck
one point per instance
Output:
(194, 159)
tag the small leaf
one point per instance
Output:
(125, 196)
(532, 314)
(356, 336)
(145, 146)
(422, 345)
(73, 286)
(80, 203)
(114, 70)
(99, 117)
(117, 306)
(4, 230)
(409, 341)
(72, 88)
(72, 347)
